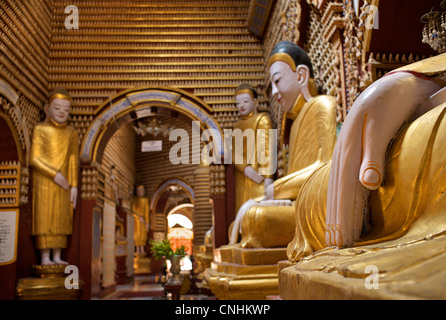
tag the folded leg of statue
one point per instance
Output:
(268, 226)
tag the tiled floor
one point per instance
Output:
(148, 288)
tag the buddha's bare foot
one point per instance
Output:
(45, 258)
(60, 261)
(56, 257)
(47, 262)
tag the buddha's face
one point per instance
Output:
(285, 84)
(245, 104)
(59, 110)
(140, 191)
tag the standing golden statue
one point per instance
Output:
(312, 140)
(141, 210)
(252, 174)
(55, 162)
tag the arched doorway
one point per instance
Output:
(171, 194)
(180, 231)
(165, 185)
(124, 111)
(138, 103)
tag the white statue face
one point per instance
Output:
(245, 104)
(285, 83)
(59, 110)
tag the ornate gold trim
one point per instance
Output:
(60, 96)
(242, 91)
(280, 56)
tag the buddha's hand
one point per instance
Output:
(253, 175)
(61, 181)
(73, 196)
(359, 157)
(266, 184)
(269, 191)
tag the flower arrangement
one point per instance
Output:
(163, 249)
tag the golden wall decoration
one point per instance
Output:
(26, 39)
(207, 51)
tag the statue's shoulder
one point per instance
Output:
(40, 126)
(264, 120)
(263, 116)
(323, 102)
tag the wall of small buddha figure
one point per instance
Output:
(120, 154)
(208, 54)
(26, 41)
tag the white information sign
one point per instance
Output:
(8, 236)
(152, 146)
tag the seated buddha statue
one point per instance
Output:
(268, 223)
(387, 180)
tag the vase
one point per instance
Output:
(175, 270)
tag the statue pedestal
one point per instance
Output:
(141, 263)
(244, 274)
(203, 258)
(394, 270)
(49, 284)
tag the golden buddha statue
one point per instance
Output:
(312, 140)
(55, 161)
(248, 269)
(141, 210)
(252, 175)
(386, 181)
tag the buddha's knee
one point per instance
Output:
(268, 227)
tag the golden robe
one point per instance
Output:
(246, 188)
(55, 148)
(312, 141)
(410, 203)
(141, 209)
